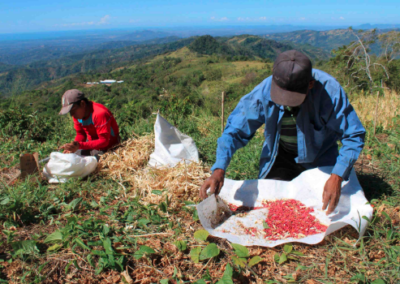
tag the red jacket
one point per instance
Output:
(98, 131)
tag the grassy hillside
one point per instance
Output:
(149, 85)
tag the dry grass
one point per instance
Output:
(123, 163)
(388, 108)
(249, 64)
(128, 166)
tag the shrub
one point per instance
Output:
(25, 126)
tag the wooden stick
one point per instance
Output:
(149, 235)
(376, 111)
(222, 110)
(203, 268)
(127, 277)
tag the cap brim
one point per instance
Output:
(286, 98)
(66, 109)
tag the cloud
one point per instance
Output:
(302, 19)
(248, 19)
(223, 19)
(103, 21)
(134, 21)
(340, 18)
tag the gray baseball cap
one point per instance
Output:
(291, 75)
(69, 98)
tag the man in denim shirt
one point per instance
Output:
(305, 112)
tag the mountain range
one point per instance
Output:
(244, 47)
(327, 40)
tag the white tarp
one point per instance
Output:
(171, 146)
(61, 167)
(307, 188)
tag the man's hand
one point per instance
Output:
(331, 195)
(70, 147)
(214, 182)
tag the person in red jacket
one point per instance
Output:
(96, 128)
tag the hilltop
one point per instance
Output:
(252, 47)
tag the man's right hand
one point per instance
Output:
(214, 182)
(70, 147)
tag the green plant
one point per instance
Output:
(287, 253)
(242, 256)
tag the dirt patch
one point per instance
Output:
(9, 176)
(364, 165)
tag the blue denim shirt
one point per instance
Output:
(325, 117)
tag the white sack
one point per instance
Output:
(61, 167)
(307, 188)
(171, 146)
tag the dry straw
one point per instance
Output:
(388, 108)
(127, 165)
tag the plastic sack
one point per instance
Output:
(306, 188)
(61, 167)
(171, 146)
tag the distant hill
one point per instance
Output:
(252, 47)
(143, 35)
(5, 67)
(327, 40)
(31, 75)
(124, 43)
(28, 52)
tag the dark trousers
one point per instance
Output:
(87, 153)
(285, 167)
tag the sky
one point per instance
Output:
(25, 16)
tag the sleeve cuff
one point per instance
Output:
(220, 164)
(342, 171)
(82, 145)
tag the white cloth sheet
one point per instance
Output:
(307, 188)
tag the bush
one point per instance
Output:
(213, 75)
(17, 122)
(249, 79)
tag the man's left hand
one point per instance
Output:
(332, 191)
(70, 147)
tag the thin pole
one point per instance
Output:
(222, 110)
(376, 111)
